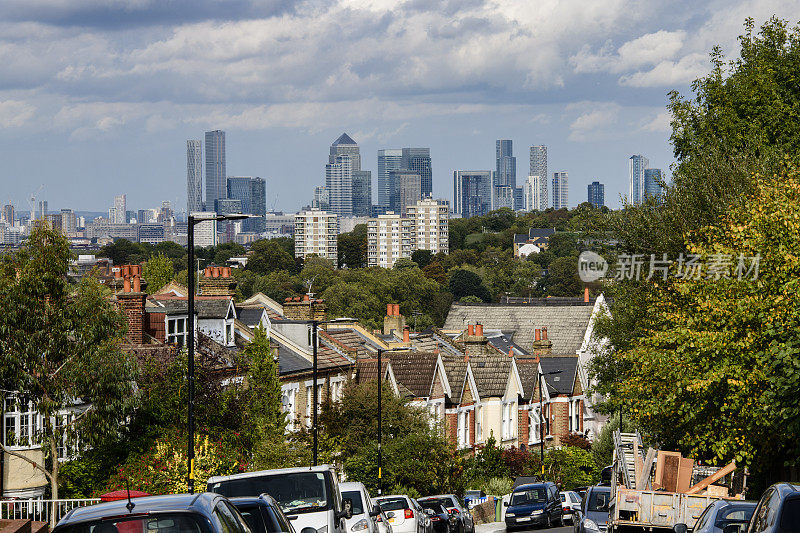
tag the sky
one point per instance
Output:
(98, 97)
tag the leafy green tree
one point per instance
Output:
(59, 347)
(226, 250)
(467, 283)
(562, 277)
(268, 255)
(123, 252)
(157, 271)
(570, 467)
(404, 263)
(422, 257)
(352, 247)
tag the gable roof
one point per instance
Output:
(528, 369)
(414, 371)
(566, 321)
(559, 373)
(538, 233)
(455, 369)
(250, 316)
(491, 374)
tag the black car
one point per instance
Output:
(173, 513)
(263, 514)
(722, 516)
(536, 504)
(778, 510)
(451, 502)
(443, 521)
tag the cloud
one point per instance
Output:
(594, 120)
(15, 114)
(660, 123)
(649, 49)
(669, 73)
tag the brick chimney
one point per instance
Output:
(217, 281)
(541, 344)
(586, 295)
(406, 335)
(131, 300)
(393, 321)
(475, 343)
(305, 308)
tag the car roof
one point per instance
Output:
(263, 499)
(528, 486)
(599, 488)
(437, 496)
(351, 485)
(393, 496)
(260, 473)
(202, 503)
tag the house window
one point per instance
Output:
(289, 404)
(337, 386)
(176, 331)
(509, 409)
(463, 429)
(478, 426)
(576, 415)
(534, 427)
(229, 334)
(21, 423)
(547, 419)
(310, 403)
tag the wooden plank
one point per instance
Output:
(669, 478)
(637, 466)
(648, 467)
(685, 468)
(721, 473)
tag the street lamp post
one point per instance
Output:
(380, 416)
(192, 222)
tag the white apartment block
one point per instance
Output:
(391, 237)
(315, 232)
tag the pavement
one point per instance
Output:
(500, 527)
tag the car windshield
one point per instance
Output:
(393, 504)
(598, 500)
(735, 514)
(535, 495)
(444, 502)
(355, 497)
(295, 492)
(162, 523)
(436, 507)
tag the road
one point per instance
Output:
(565, 529)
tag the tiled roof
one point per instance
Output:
(528, 374)
(204, 308)
(559, 373)
(352, 340)
(367, 369)
(414, 371)
(535, 233)
(455, 368)
(250, 316)
(289, 362)
(491, 374)
(504, 342)
(566, 322)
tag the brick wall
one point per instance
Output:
(472, 427)
(217, 286)
(559, 420)
(451, 427)
(302, 310)
(132, 305)
(522, 426)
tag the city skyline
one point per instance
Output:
(593, 100)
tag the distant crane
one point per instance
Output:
(32, 201)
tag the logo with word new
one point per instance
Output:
(591, 266)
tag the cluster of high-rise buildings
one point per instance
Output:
(644, 181)
(223, 194)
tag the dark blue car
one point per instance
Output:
(534, 504)
(778, 510)
(174, 513)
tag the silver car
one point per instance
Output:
(570, 503)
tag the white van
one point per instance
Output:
(308, 496)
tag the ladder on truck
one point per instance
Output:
(628, 456)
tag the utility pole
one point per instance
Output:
(314, 381)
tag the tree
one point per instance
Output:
(123, 251)
(467, 283)
(267, 255)
(352, 247)
(570, 467)
(422, 257)
(562, 277)
(60, 347)
(157, 271)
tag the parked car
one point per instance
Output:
(722, 516)
(404, 514)
(570, 502)
(309, 496)
(173, 513)
(443, 521)
(365, 512)
(452, 503)
(778, 510)
(536, 504)
(263, 514)
(471, 495)
(592, 515)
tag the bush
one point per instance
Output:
(498, 486)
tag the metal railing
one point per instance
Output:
(41, 510)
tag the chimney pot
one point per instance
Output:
(215, 272)
(586, 295)
(537, 334)
(117, 273)
(389, 309)
(406, 335)
(470, 330)
(137, 284)
(511, 352)
(126, 285)
(224, 272)
(544, 334)
(126, 271)
(479, 330)
(396, 308)
(207, 272)
(306, 298)
(135, 270)
(288, 299)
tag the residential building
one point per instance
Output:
(216, 170)
(316, 232)
(560, 190)
(597, 194)
(147, 216)
(503, 197)
(279, 224)
(69, 222)
(431, 221)
(151, 233)
(535, 193)
(40, 214)
(362, 193)
(194, 176)
(419, 160)
(506, 171)
(393, 236)
(8, 214)
(388, 159)
(538, 163)
(406, 189)
(321, 198)
(653, 177)
(636, 166)
(205, 233)
(258, 205)
(537, 237)
(472, 192)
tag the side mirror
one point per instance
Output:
(347, 508)
(376, 511)
(680, 528)
(505, 504)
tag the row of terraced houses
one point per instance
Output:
(514, 371)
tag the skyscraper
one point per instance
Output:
(506, 164)
(535, 193)
(362, 193)
(321, 199)
(216, 171)
(472, 192)
(419, 160)
(345, 145)
(339, 182)
(560, 190)
(652, 183)
(69, 222)
(636, 166)
(406, 189)
(503, 197)
(194, 176)
(388, 160)
(597, 194)
(538, 161)
(258, 205)
(120, 209)
(8, 214)
(42, 210)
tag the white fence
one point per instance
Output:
(40, 510)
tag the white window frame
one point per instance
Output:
(176, 337)
(310, 399)
(15, 420)
(337, 388)
(478, 423)
(289, 406)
